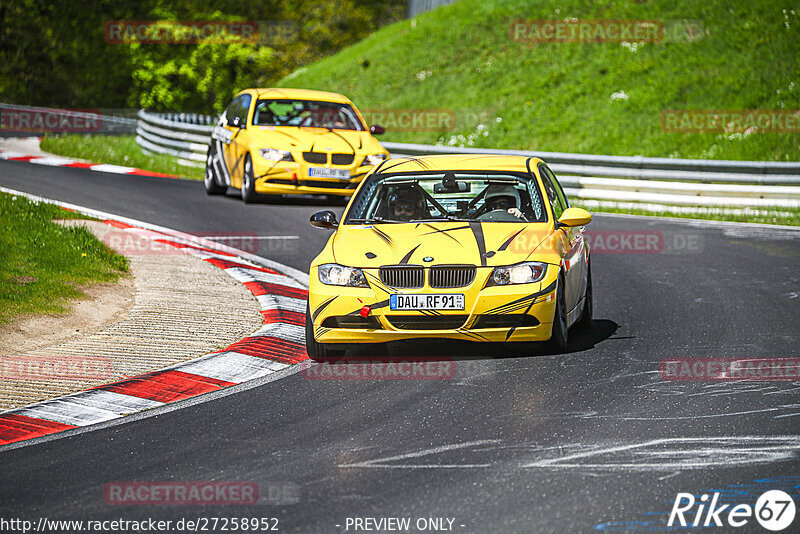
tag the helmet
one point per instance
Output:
(495, 190)
(408, 199)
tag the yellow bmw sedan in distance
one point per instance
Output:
(291, 141)
(473, 248)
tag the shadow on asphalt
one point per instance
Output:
(580, 340)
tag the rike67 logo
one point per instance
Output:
(774, 510)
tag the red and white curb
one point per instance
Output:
(58, 161)
(281, 292)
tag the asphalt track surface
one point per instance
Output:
(517, 441)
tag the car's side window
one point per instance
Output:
(244, 108)
(559, 189)
(232, 110)
(555, 195)
(239, 107)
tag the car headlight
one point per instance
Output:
(522, 273)
(339, 275)
(273, 154)
(375, 159)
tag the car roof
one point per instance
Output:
(459, 162)
(300, 94)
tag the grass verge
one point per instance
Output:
(597, 98)
(116, 150)
(43, 264)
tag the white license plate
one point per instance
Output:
(325, 172)
(451, 301)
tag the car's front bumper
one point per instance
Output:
(290, 177)
(492, 314)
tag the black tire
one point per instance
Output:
(559, 340)
(318, 351)
(585, 322)
(248, 181)
(210, 179)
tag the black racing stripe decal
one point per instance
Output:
(477, 230)
(408, 256)
(444, 231)
(383, 235)
(379, 305)
(473, 335)
(345, 140)
(322, 307)
(405, 159)
(375, 281)
(519, 303)
(321, 331)
(509, 240)
(527, 310)
(510, 331)
(510, 308)
(221, 161)
(376, 306)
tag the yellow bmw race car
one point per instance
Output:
(474, 248)
(278, 141)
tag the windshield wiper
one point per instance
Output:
(440, 219)
(371, 220)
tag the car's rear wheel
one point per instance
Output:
(559, 340)
(318, 351)
(248, 181)
(586, 319)
(210, 178)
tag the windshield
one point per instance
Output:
(306, 113)
(478, 196)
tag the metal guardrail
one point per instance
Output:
(183, 135)
(667, 181)
(703, 170)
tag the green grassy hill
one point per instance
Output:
(558, 96)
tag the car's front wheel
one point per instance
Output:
(585, 321)
(210, 178)
(248, 181)
(559, 340)
(318, 351)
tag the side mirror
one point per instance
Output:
(573, 217)
(377, 129)
(324, 219)
(234, 122)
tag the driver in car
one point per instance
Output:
(505, 198)
(407, 204)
